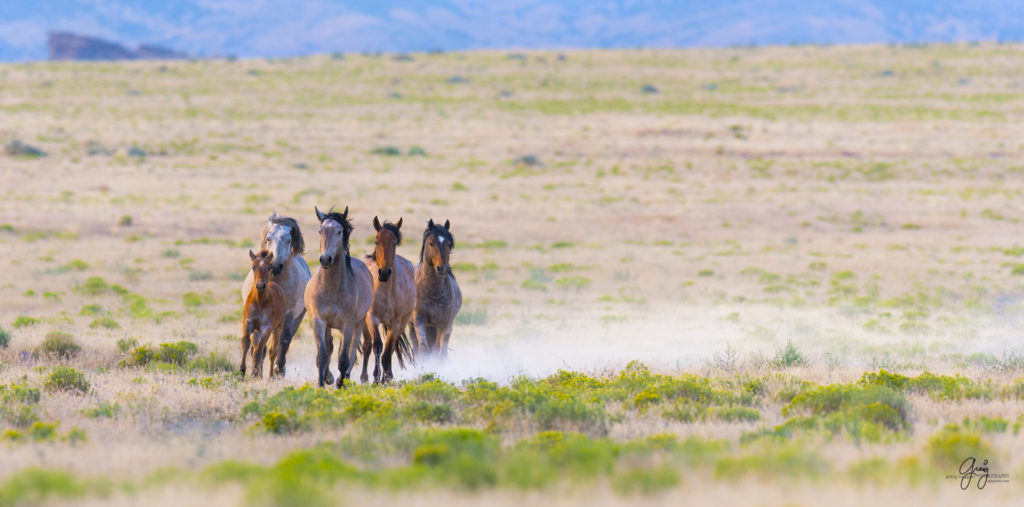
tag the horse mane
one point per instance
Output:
(346, 228)
(441, 231)
(298, 244)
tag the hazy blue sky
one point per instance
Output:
(281, 28)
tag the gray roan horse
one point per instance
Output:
(438, 298)
(281, 236)
(394, 298)
(338, 296)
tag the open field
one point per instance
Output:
(812, 254)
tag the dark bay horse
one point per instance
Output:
(262, 316)
(394, 299)
(338, 296)
(438, 297)
(282, 237)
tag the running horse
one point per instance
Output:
(438, 297)
(282, 237)
(262, 316)
(394, 298)
(337, 296)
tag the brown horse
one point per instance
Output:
(262, 316)
(394, 298)
(282, 237)
(438, 297)
(338, 296)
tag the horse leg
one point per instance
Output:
(291, 326)
(273, 349)
(328, 376)
(245, 347)
(346, 355)
(259, 351)
(321, 334)
(419, 327)
(389, 351)
(432, 339)
(365, 346)
(442, 342)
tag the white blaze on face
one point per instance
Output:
(441, 239)
(280, 242)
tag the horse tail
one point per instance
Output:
(403, 349)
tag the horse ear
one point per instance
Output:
(252, 256)
(398, 225)
(345, 214)
(376, 224)
(447, 225)
(430, 223)
(319, 214)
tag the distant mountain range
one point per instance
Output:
(250, 28)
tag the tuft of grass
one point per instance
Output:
(388, 151)
(58, 345)
(5, 338)
(65, 378)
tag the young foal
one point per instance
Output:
(338, 296)
(438, 297)
(394, 298)
(281, 236)
(263, 315)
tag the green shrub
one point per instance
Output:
(177, 353)
(24, 321)
(211, 364)
(104, 322)
(942, 387)
(18, 403)
(948, 448)
(59, 345)
(125, 345)
(36, 486)
(863, 411)
(96, 286)
(92, 309)
(140, 356)
(195, 300)
(788, 356)
(390, 151)
(5, 338)
(65, 378)
(105, 410)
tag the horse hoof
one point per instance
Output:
(364, 378)
(328, 378)
(341, 383)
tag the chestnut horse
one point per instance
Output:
(338, 296)
(394, 298)
(262, 316)
(438, 297)
(282, 237)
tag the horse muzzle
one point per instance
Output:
(326, 261)
(277, 269)
(383, 275)
(260, 287)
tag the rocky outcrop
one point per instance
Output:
(70, 46)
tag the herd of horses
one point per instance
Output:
(357, 297)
